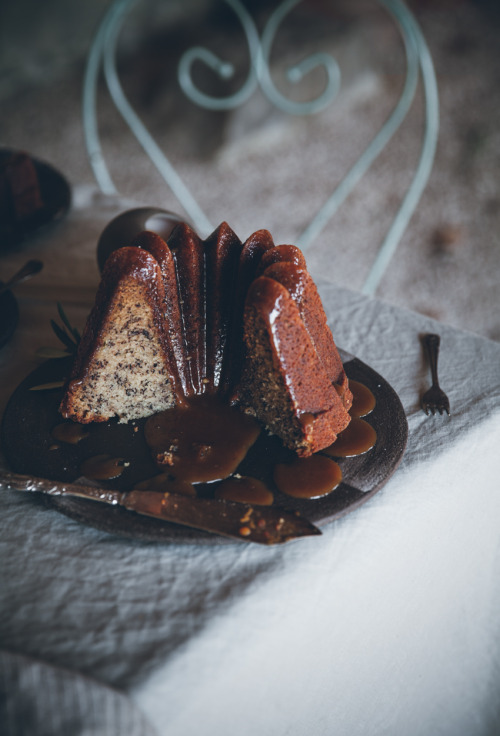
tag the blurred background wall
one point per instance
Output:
(256, 167)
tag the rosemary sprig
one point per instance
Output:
(47, 386)
(72, 330)
(66, 333)
(69, 336)
(63, 336)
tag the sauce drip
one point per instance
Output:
(201, 442)
(308, 477)
(206, 440)
(244, 489)
(356, 439)
(70, 432)
(166, 484)
(363, 401)
(103, 467)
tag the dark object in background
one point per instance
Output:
(20, 195)
(32, 195)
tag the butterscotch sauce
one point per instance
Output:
(308, 477)
(244, 489)
(307, 421)
(206, 440)
(103, 467)
(70, 432)
(363, 401)
(166, 484)
(203, 441)
(356, 439)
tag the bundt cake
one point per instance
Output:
(184, 318)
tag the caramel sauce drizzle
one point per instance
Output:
(199, 446)
(356, 439)
(103, 467)
(203, 441)
(245, 490)
(70, 432)
(308, 477)
(359, 436)
(363, 400)
(166, 483)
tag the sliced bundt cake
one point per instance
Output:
(125, 366)
(188, 317)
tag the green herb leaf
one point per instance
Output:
(62, 315)
(63, 337)
(72, 330)
(49, 352)
(47, 386)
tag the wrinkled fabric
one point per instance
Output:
(386, 624)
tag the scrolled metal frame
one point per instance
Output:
(419, 64)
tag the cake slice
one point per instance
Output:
(158, 248)
(124, 365)
(284, 383)
(301, 287)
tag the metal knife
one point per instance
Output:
(261, 524)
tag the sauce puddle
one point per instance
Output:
(204, 448)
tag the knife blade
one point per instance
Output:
(267, 525)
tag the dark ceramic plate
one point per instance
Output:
(9, 315)
(31, 416)
(56, 196)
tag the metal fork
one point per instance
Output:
(435, 398)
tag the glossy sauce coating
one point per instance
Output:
(206, 440)
(70, 432)
(103, 467)
(166, 483)
(308, 477)
(363, 400)
(356, 439)
(244, 490)
(202, 442)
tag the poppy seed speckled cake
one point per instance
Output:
(188, 317)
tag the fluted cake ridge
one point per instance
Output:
(186, 317)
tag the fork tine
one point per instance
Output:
(434, 400)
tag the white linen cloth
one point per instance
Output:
(386, 624)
